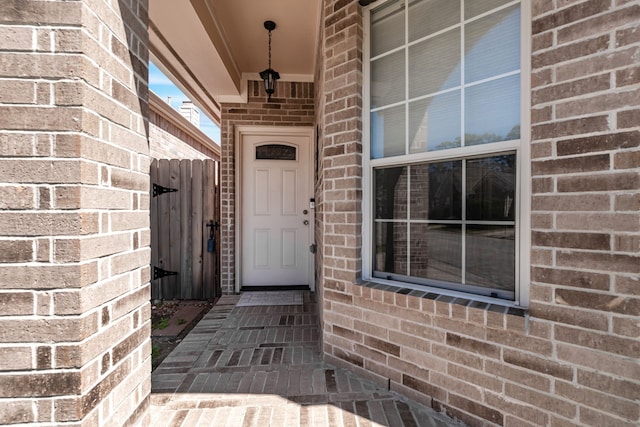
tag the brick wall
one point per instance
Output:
(171, 136)
(74, 220)
(341, 155)
(291, 105)
(319, 97)
(572, 358)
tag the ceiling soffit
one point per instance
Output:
(209, 48)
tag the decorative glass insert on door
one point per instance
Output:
(275, 152)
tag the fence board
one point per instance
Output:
(185, 229)
(153, 207)
(175, 214)
(164, 256)
(197, 225)
(209, 259)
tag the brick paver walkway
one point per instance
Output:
(260, 366)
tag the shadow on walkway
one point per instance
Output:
(260, 366)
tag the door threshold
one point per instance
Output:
(274, 288)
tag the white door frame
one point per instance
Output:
(270, 131)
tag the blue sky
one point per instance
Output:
(163, 87)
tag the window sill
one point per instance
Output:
(466, 308)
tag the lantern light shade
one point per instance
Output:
(269, 76)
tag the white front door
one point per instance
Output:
(276, 216)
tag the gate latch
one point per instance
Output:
(211, 243)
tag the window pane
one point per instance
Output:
(445, 191)
(476, 7)
(387, 80)
(391, 193)
(434, 123)
(436, 191)
(391, 247)
(492, 45)
(490, 256)
(492, 111)
(436, 252)
(388, 132)
(387, 28)
(490, 188)
(434, 64)
(430, 16)
(419, 193)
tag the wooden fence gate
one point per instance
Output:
(185, 213)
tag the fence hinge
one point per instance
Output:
(159, 273)
(159, 189)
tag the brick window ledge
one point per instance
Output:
(459, 308)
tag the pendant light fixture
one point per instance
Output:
(269, 76)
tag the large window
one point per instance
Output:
(445, 148)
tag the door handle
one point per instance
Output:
(305, 222)
(305, 211)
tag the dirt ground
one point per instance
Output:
(161, 313)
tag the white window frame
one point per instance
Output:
(523, 169)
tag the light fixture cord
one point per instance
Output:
(269, 48)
